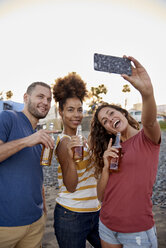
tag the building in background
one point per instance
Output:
(10, 105)
(136, 112)
(137, 106)
(52, 116)
(161, 110)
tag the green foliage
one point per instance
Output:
(95, 94)
(162, 125)
(1, 95)
(8, 94)
(126, 88)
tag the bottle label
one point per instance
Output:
(115, 162)
(78, 153)
(47, 156)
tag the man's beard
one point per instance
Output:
(33, 111)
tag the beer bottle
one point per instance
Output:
(79, 149)
(46, 155)
(115, 162)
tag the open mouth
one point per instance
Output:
(116, 123)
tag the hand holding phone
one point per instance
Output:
(112, 64)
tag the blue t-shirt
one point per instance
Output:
(21, 176)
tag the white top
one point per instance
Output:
(84, 199)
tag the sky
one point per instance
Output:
(41, 40)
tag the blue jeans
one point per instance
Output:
(72, 229)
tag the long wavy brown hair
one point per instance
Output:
(99, 138)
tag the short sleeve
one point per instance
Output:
(5, 125)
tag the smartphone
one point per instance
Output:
(112, 64)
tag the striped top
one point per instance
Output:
(84, 199)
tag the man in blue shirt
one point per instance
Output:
(22, 218)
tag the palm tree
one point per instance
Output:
(126, 89)
(9, 94)
(95, 95)
(1, 95)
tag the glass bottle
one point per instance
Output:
(78, 150)
(46, 154)
(115, 162)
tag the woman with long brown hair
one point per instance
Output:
(126, 218)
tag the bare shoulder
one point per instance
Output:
(62, 145)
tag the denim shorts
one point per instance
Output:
(145, 239)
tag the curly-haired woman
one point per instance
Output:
(126, 218)
(76, 212)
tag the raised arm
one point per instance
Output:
(142, 82)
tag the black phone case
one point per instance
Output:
(112, 64)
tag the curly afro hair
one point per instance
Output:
(67, 87)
